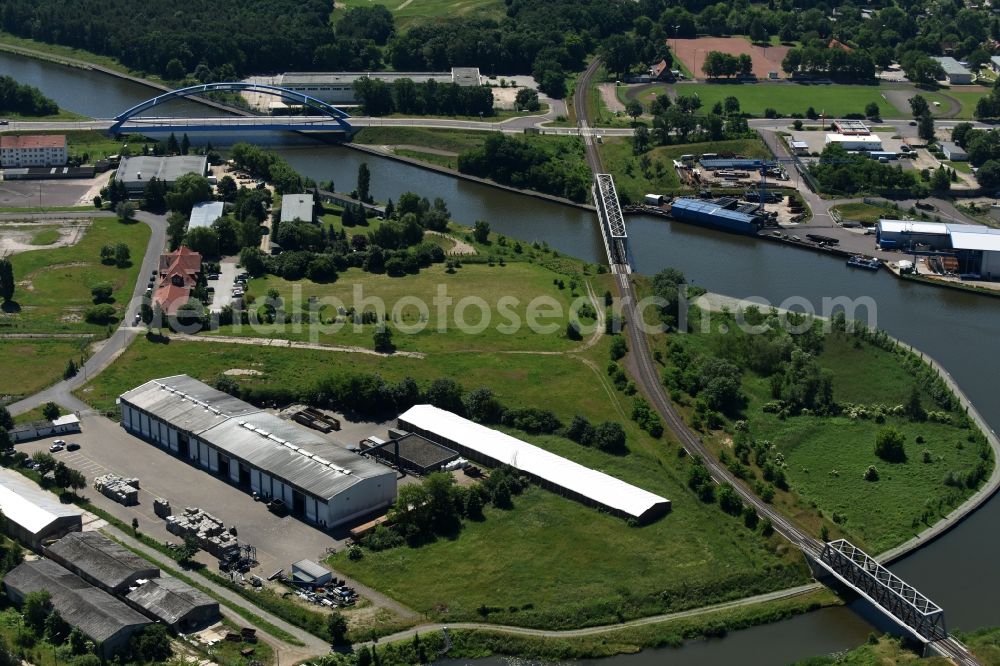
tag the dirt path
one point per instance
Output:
(609, 93)
(292, 344)
(390, 148)
(18, 237)
(459, 247)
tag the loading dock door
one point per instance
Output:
(298, 503)
(310, 509)
(245, 476)
(255, 480)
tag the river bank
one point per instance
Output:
(454, 173)
(77, 63)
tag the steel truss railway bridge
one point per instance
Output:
(322, 117)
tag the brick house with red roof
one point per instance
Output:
(178, 275)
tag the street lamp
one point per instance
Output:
(676, 30)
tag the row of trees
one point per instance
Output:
(378, 98)
(840, 172)
(832, 63)
(24, 100)
(718, 64)
(267, 165)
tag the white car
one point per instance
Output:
(57, 446)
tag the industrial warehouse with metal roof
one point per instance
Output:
(32, 515)
(135, 172)
(493, 447)
(338, 87)
(100, 561)
(319, 481)
(174, 602)
(102, 618)
(977, 248)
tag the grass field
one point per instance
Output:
(866, 214)
(421, 11)
(968, 101)
(632, 181)
(53, 285)
(29, 365)
(826, 456)
(785, 98)
(522, 281)
(45, 236)
(442, 139)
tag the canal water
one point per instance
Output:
(960, 330)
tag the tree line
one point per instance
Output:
(518, 162)
(378, 98)
(23, 99)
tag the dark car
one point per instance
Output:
(72, 446)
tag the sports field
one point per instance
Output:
(692, 52)
(408, 12)
(785, 98)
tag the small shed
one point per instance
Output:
(308, 572)
(63, 425)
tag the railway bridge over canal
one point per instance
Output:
(612, 223)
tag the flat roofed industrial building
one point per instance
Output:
(175, 603)
(32, 515)
(102, 618)
(135, 172)
(321, 482)
(720, 213)
(855, 141)
(492, 447)
(101, 561)
(205, 213)
(977, 248)
(338, 87)
(297, 207)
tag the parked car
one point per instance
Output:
(57, 447)
(72, 446)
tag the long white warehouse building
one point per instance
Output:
(319, 481)
(492, 447)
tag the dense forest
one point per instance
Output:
(548, 38)
(24, 100)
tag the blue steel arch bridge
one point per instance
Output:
(318, 117)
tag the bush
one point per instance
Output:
(871, 474)
(889, 445)
(100, 314)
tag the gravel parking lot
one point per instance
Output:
(34, 193)
(106, 448)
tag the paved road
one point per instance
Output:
(43, 214)
(62, 392)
